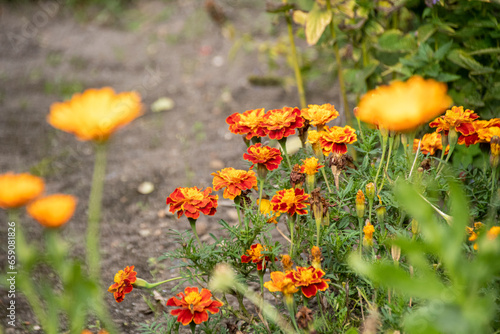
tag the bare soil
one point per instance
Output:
(167, 49)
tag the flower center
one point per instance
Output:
(193, 194)
(193, 298)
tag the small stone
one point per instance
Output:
(36, 328)
(218, 61)
(161, 213)
(201, 227)
(233, 214)
(216, 164)
(146, 188)
(144, 233)
(162, 104)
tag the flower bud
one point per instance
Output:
(368, 231)
(370, 191)
(360, 204)
(415, 229)
(395, 253)
(495, 151)
(381, 211)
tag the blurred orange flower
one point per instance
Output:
(281, 282)
(17, 190)
(309, 280)
(403, 106)
(430, 143)
(247, 123)
(368, 230)
(310, 166)
(334, 139)
(54, 210)
(192, 201)
(269, 157)
(193, 305)
(234, 181)
(281, 123)
(291, 201)
(96, 113)
(253, 254)
(124, 279)
(455, 118)
(320, 114)
(493, 232)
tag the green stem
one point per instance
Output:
(384, 146)
(391, 144)
(282, 142)
(237, 201)
(291, 311)
(291, 224)
(326, 180)
(295, 61)
(192, 222)
(339, 66)
(360, 223)
(261, 186)
(94, 215)
(192, 325)
(493, 180)
(261, 280)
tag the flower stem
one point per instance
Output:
(326, 180)
(261, 280)
(291, 311)
(391, 144)
(237, 201)
(360, 223)
(94, 215)
(192, 222)
(291, 222)
(384, 147)
(261, 185)
(282, 142)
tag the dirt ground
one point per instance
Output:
(170, 49)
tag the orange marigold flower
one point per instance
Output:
(247, 123)
(430, 143)
(309, 280)
(17, 190)
(368, 230)
(193, 305)
(334, 139)
(54, 210)
(96, 113)
(320, 114)
(269, 157)
(493, 232)
(490, 129)
(360, 204)
(265, 208)
(254, 255)
(234, 181)
(192, 201)
(457, 119)
(291, 201)
(281, 282)
(310, 166)
(403, 106)
(124, 279)
(281, 123)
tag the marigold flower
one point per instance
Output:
(309, 280)
(281, 123)
(96, 113)
(403, 106)
(54, 210)
(313, 137)
(493, 232)
(368, 230)
(291, 201)
(247, 123)
(17, 190)
(265, 208)
(430, 143)
(193, 305)
(269, 157)
(124, 279)
(319, 115)
(488, 129)
(254, 255)
(192, 201)
(334, 139)
(287, 263)
(455, 119)
(234, 181)
(360, 204)
(310, 166)
(281, 282)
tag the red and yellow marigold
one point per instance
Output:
(17, 190)
(334, 139)
(124, 280)
(319, 115)
(269, 157)
(192, 201)
(281, 282)
(456, 119)
(310, 280)
(291, 201)
(281, 123)
(54, 210)
(247, 123)
(233, 181)
(430, 143)
(265, 208)
(193, 305)
(254, 255)
(96, 113)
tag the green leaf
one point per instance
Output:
(447, 77)
(443, 51)
(484, 51)
(394, 41)
(425, 31)
(317, 20)
(463, 59)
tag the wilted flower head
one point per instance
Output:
(281, 123)
(254, 255)
(456, 119)
(430, 143)
(319, 115)
(192, 201)
(54, 210)
(286, 262)
(334, 139)
(316, 257)
(96, 113)
(234, 181)
(17, 190)
(310, 280)
(403, 106)
(193, 305)
(291, 201)
(123, 283)
(297, 177)
(247, 123)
